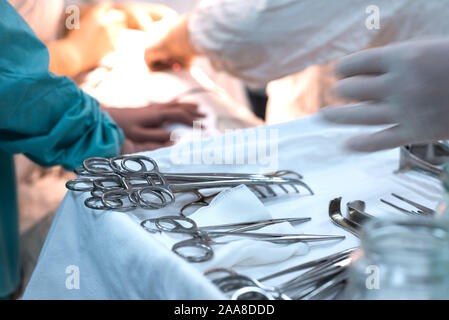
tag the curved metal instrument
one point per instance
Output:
(424, 158)
(337, 218)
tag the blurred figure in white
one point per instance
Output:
(260, 41)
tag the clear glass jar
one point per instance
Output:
(443, 207)
(401, 259)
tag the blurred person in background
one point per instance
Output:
(74, 51)
(291, 45)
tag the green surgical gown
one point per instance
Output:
(43, 116)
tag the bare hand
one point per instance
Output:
(145, 125)
(130, 147)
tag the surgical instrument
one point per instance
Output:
(318, 280)
(421, 210)
(356, 212)
(240, 226)
(339, 220)
(203, 239)
(424, 158)
(128, 182)
(358, 216)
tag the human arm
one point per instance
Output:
(145, 125)
(45, 116)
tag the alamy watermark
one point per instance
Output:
(372, 22)
(72, 20)
(373, 280)
(72, 281)
(254, 146)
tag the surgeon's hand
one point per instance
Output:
(99, 30)
(144, 126)
(404, 86)
(130, 147)
(144, 16)
(174, 48)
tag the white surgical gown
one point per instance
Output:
(263, 40)
(43, 16)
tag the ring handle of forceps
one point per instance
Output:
(90, 203)
(90, 163)
(134, 198)
(72, 184)
(238, 295)
(140, 160)
(176, 226)
(208, 253)
(159, 193)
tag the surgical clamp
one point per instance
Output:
(128, 182)
(202, 239)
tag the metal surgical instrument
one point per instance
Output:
(421, 210)
(356, 212)
(240, 226)
(324, 276)
(358, 216)
(203, 239)
(424, 158)
(338, 218)
(128, 182)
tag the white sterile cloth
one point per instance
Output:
(107, 255)
(234, 206)
(118, 259)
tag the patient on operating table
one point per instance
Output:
(81, 49)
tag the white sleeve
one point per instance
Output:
(43, 16)
(262, 40)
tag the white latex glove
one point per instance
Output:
(404, 85)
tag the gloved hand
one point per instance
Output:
(99, 30)
(144, 126)
(143, 16)
(404, 85)
(174, 47)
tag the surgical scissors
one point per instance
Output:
(203, 237)
(128, 182)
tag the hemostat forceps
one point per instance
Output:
(203, 238)
(128, 182)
